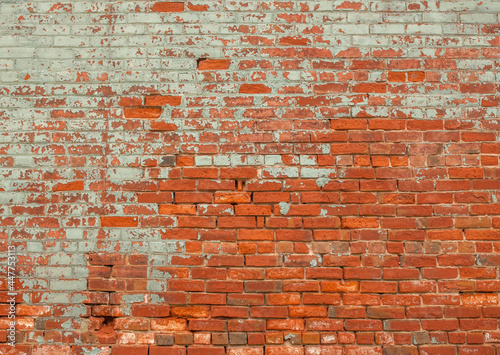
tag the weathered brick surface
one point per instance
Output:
(251, 177)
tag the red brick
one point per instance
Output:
(284, 350)
(285, 324)
(232, 197)
(168, 7)
(132, 350)
(157, 100)
(214, 64)
(160, 350)
(369, 88)
(113, 222)
(254, 89)
(176, 209)
(140, 112)
(70, 186)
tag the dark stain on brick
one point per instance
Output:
(167, 160)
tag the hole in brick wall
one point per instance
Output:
(198, 61)
(108, 321)
(239, 185)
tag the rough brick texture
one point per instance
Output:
(251, 177)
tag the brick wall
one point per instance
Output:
(251, 177)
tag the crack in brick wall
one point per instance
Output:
(250, 178)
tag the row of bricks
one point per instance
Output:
(336, 254)
(276, 338)
(467, 299)
(369, 251)
(367, 243)
(246, 180)
(344, 166)
(181, 33)
(298, 203)
(233, 286)
(36, 96)
(290, 188)
(415, 267)
(273, 286)
(293, 338)
(185, 224)
(426, 166)
(263, 235)
(255, 152)
(186, 203)
(257, 146)
(137, 319)
(285, 24)
(393, 269)
(321, 90)
(107, 335)
(429, 134)
(234, 310)
(259, 325)
(387, 220)
(339, 88)
(185, 25)
(300, 118)
(304, 7)
(296, 338)
(393, 266)
(153, 110)
(261, 6)
(284, 189)
(289, 144)
(343, 67)
(306, 83)
(426, 49)
(473, 62)
(391, 349)
(390, 119)
(323, 228)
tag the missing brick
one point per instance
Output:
(108, 321)
(198, 61)
(239, 185)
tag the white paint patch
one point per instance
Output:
(284, 208)
(322, 181)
